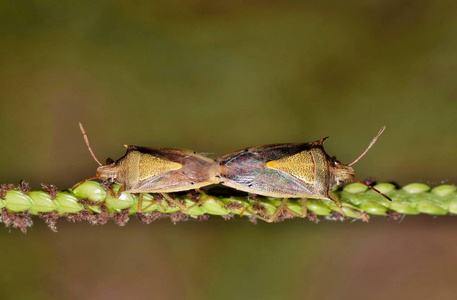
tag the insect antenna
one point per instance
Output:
(88, 145)
(369, 146)
(374, 189)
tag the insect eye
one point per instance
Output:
(109, 161)
(335, 161)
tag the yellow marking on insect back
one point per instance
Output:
(150, 166)
(300, 165)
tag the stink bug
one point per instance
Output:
(157, 170)
(288, 171)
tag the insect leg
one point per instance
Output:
(304, 210)
(140, 199)
(278, 211)
(363, 216)
(199, 200)
(174, 202)
(140, 202)
(198, 203)
(243, 211)
(119, 191)
(338, 203)
(292, 213)
(110, 192)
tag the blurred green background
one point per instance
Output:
(217, 76)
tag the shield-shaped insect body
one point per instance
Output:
(160, 170)
(287, 170)
(284, 170)
(157, 170)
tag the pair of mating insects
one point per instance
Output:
(285, 171)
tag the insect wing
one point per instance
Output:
(264, 170)
(172, 170)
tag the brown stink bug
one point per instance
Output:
(157, 170)
(288, 171)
